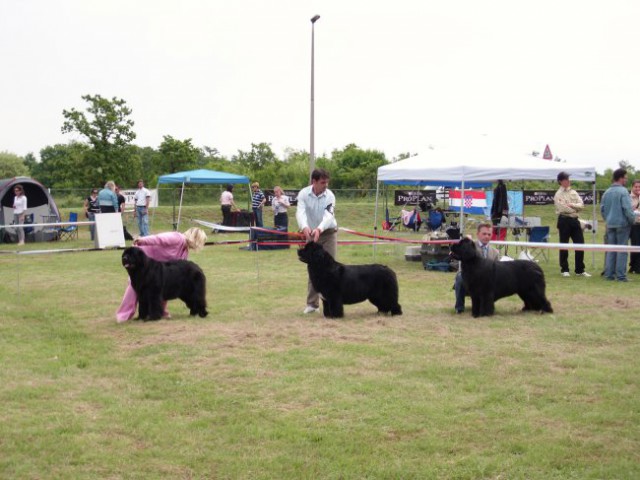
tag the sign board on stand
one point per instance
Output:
(109, 231)
(129, 202)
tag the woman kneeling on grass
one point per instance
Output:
(161, 247)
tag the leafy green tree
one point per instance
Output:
(61, 166)
(11, 165)
(294, 171)
(108, 130)
(107, 126)
(259, 157)
(151, 166)
(178, 155)
(30, 161)
(356, 168)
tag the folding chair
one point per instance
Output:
(411, 219)
(390, 223)
(435, 220)
(70, 231)
(539, 235)
(28, 231)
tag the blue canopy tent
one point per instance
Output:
(201, 176)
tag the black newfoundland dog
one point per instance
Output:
(487, 281)
(342, 285)
(155, 282)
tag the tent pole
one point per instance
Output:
(180, 208)
(461, 207)
(375, 221)
(173, 205)
(593, 226)
(153, 215)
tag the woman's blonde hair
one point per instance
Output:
(196, 238)
(111, 185)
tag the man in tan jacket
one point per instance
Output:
(568, 207)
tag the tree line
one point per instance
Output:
(107, 151)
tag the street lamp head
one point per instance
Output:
(315, 18)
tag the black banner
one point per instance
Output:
(545, 197)
(413, 197)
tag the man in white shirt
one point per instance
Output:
(142, 197)
(316, 220)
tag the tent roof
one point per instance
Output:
(203, 176)
(434, 167)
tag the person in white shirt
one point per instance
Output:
(19, 210)
(142, 197)
(280, 203)
(316, 220)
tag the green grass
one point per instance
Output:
(257, 390)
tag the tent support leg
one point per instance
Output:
(375, 222)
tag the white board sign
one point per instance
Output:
(130, 202)
(109, 231)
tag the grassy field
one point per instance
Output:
(259, 391)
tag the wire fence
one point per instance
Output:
(198, 195)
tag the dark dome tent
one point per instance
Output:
(40, 204)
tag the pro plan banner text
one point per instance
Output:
(407, 197)
(545, 197)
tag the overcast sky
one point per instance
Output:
(395, 76)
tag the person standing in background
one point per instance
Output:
(19, 210)
(121, 200)
(616, 210)
(280, 203)
(142, 197)
(568, 207)
(91, 207)
(257, 202)
(107, 198)
(226, 204)
(634, 258)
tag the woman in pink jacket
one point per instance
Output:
(161, 247)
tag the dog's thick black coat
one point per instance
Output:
(487, 281)
(155, 282)
(342, 285)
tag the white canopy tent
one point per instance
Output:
(451, 166)
(439, 167)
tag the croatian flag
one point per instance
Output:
(473, 202)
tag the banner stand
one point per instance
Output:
(109, 232)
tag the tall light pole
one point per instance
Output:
(312, 155)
